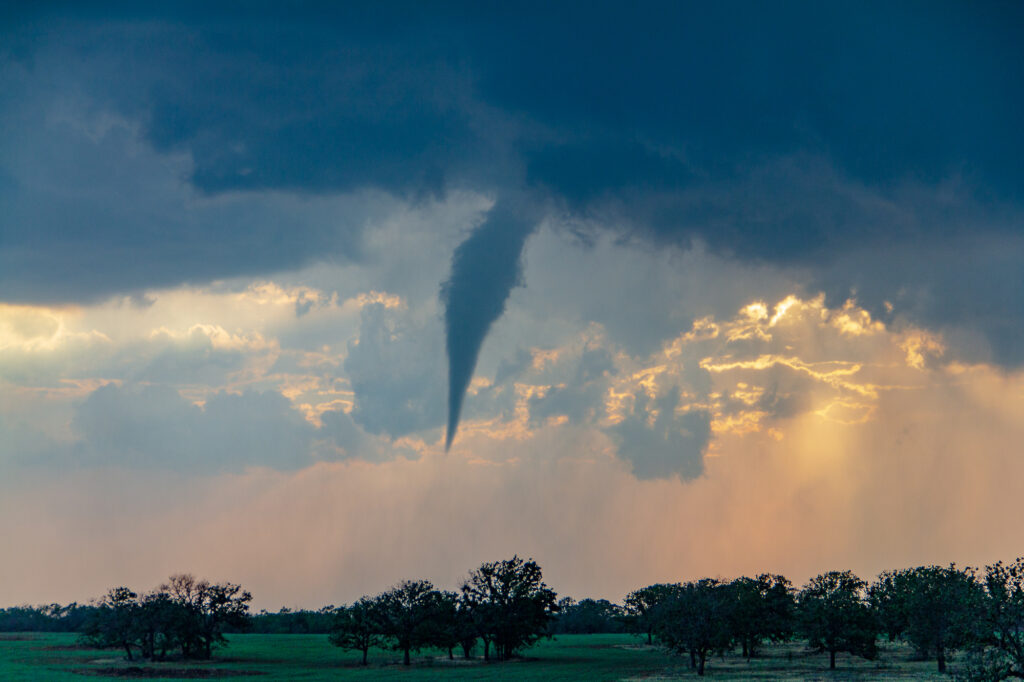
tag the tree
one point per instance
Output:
(206, 609)
(465, 628)
(696, 619)
(1000, 635)
(641, 604)
(442, 627)
(888, 598)
(405, 611)
(510, 604)
(160, 620)
(933, 607)
(185, 612)
(587, 617)
(358, 627)
(114, 623)
(834, 616)
(763, 608)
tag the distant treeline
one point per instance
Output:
(505, 606)
(74, 617)
(48, 618)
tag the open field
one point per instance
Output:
(58, 657)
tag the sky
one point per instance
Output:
(316, 299)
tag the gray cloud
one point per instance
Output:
(581, 398)
(154, 427)
(673, 445)
(394, 371)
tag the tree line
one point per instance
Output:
(936, 609)
(503, 607)
(183, 615)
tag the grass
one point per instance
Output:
(268, 658)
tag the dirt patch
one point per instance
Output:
(143, 672)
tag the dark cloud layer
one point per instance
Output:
(587, 104)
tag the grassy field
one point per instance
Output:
(57, 657)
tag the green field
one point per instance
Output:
(36, 656)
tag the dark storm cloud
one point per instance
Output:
(669, 122)
(585, 104)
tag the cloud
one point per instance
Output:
(762, 424)
(90, 199)
(741, 375)
(154, 427)
(394, 373)
(189, 379)
(892, 491)
(361, 370)
(809, 139)
(659, 442)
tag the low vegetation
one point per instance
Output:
(503, 618)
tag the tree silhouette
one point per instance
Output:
(1001, 629)
(834, 616)
(358, 627)
(641, 604)
(696, 619)
(763, 609)
(510, 604)
(935, 608)
(404, 614)
(115, 621)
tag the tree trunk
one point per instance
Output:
(942, 659)
(451, 656)
(832, 660)
(700, 666)
(405, 659)
(365, 651)
(128, 650)
(650, 639)
(693, 658)
(487, 650)
(746, 651)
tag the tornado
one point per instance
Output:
(485, 269)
